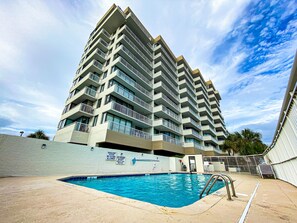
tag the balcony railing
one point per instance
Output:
(129, 112)
(135, 71)
(86, 90)
(128, 130)
(131, 82)
(169, 91)
(172, 69)
(172, 140)
(171, 113)
(193, 122)
(120, 90)
(83, 107)
(169, 101)
(170, 125)
(138, 41)
(81, 127)
(133, 57)
(90, 75)
(137, 50)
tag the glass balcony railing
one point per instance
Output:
(128, 130)
(90, 91)
(129, 112)
(133, 83)
(137, 50)
(122, 91)
(170, 113)
(167, 80)
(170, 125)
(133, 57)
(138, 41)
(135, 71)
(82, 107)
(172, 140)
(81, 127)
(169, 91)
(169, 101)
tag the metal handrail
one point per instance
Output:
(213, 179)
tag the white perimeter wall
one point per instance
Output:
(283, 155)
(20, 156)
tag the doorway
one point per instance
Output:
(192, 164)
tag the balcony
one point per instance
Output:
(209, 129)
(129, 97)
(221, 134)
(100, 43)
(160, 66)
(205, 120)
(132, 59)
(160, 57)
(98, 33)
(161, 98)
(127, 30)
(166, 138)
(188, 102)
(93, 67)
(194, 144)
(89, 79)
(188, 112)
(215, 111)
(219, 127)
(78, 111)
(162, 87)
(184, 92)
(160, 76)
(210, 138)
(134, 73)
(189, 122)
(170, 60)
(128, 82)
(85, 94)
(127, 113)
(129, 44)
(164, 125)
(76, 132)
(163, 112)
(218, 119)
(205, 111)
(192, 133)
(212, 149)
(97, 54)
(116, 127)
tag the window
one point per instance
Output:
(102, 88)
(99, 103)
(95, 120)
(107, 62)
(104, 75)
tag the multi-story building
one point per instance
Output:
(130, 92)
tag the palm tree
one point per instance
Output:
(39, 134)
(246, 142)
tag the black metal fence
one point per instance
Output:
(246, 164)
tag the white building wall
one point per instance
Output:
(283, 154)
(21, 156)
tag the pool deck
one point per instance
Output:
(45, 199)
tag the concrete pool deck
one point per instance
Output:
(45, 199)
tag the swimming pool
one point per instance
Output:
(170, 190)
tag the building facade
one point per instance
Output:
(130, 92)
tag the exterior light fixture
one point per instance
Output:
(43, 146)
(21, 133)
(92, 148)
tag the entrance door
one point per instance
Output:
(192, 164)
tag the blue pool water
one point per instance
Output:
(170, 190)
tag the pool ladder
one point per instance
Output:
(214, 178)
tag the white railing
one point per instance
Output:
(81, 127)
(135, 71)
(129, 112)
(128, 130)
(130, 81)
(120, 90)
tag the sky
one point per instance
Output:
(245, 47)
